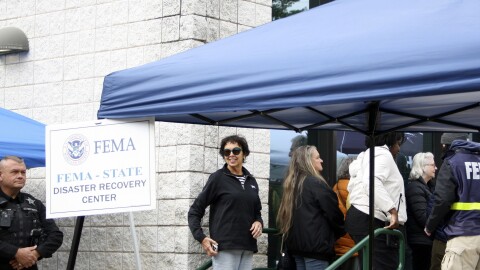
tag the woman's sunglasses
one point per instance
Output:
(236, 151)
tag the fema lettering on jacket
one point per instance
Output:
(472, 170)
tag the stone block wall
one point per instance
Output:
(73, 45)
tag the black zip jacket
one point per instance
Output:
(317, 222)
(233, 210)
(418, 194)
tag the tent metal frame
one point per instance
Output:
(331, 119)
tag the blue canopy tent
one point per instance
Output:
(23, 137)
(370, 66)
(420, 60)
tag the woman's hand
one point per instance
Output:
(256, 229)
(393, 220)
(207, 244)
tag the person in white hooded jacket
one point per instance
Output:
(390, 208)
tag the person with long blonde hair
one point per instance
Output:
(309, 217)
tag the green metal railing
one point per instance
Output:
(364, 244)
(346, 256)
(206, 265)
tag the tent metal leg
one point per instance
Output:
(75, 243)
(373, 115)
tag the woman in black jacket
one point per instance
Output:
(309, 216)
(235, 219)
(418, 193)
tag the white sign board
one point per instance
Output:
(100, 167)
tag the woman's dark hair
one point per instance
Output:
(235, 139)
(390, 139)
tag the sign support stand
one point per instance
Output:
(135, 241)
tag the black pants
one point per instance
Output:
(357, 224)
(420, 256)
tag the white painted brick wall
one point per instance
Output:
(229, 10)
(245, 11)
(18, 73)
(171, 7)
(193, 27)
(213, 8)
(73, 45)
(197, 7)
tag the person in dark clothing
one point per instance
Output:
(235, 220)
(457, 194)
(26, 236)
(418, 192)
(440, 238)
(309, 217)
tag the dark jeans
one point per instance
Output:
(357, 224)
(304, 263)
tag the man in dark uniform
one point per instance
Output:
(439, 237)
(26, 236)
(457, 193)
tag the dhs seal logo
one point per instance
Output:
(76, 149)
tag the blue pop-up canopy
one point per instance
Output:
(23, 137)
(419, 61)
